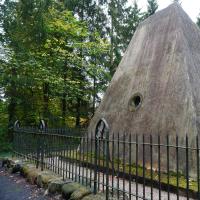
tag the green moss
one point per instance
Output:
(118, 163)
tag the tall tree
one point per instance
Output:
(177, 1)
(131, 22)
(198, 21)
(151, 7)
(49, 59)
(94, 15)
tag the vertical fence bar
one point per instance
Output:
(66, 155)
(56, 154)
(136, 167)
(62, 155)
(76, 159)
(130, 164)
(83, 160)
(118, 161)
(107, 165)
(197, 158)
(48, 151)
(58, 150)
(103, 140)
(45, 151)
(95, 164)
(70, 157)
(91, 158)
(73, 157)
(64, 163)
(187, 166)
(38, 151)
(168, 175)
(99, 141)
(113, 166)
(87, 151)
(143, 166)
(159, 168)
(52, 153)
(124, 151)
(80, 155)
(177, 167)
(151, 163)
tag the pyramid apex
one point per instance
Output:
(175, 5)
(160, 71)
(173, 11)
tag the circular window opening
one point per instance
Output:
(135, 102)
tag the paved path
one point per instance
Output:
(15, 187)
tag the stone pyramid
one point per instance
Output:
(156, 87)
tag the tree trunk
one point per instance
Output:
(78, 114)
(64, 102)
(12, 105)
(112, 45)
(94, 95)
(46, 100)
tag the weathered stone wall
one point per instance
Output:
(162, 65)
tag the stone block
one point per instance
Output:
(68, 189)
(80, 193)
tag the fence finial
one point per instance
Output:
(42, 125)
(17, 124)
(101, 129)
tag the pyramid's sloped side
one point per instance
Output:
(192, 41)
(162, 64)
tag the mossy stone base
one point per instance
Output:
(26, 168)
(68, 189)
(80, 193)
(55, 186)
(99, 196)
(32, 175)
(44, 178)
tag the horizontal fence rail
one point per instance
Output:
(121, 165)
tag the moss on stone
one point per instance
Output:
(68, 189)
(80, 193)
(44, 177)
(55, 186)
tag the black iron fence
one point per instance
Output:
(122, 165)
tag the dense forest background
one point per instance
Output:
(58, 56)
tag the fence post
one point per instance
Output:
(95, 163)
(41, 130)
(16, 137)
(107, 162)
(102, 132)
(38, 151)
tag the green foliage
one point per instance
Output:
(60, 55)
(49, 62)
(177, 1)
(198, 21)
(151, 7)
(123, 21)
(4, 140)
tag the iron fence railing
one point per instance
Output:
(122, 165)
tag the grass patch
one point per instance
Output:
(5, 154)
